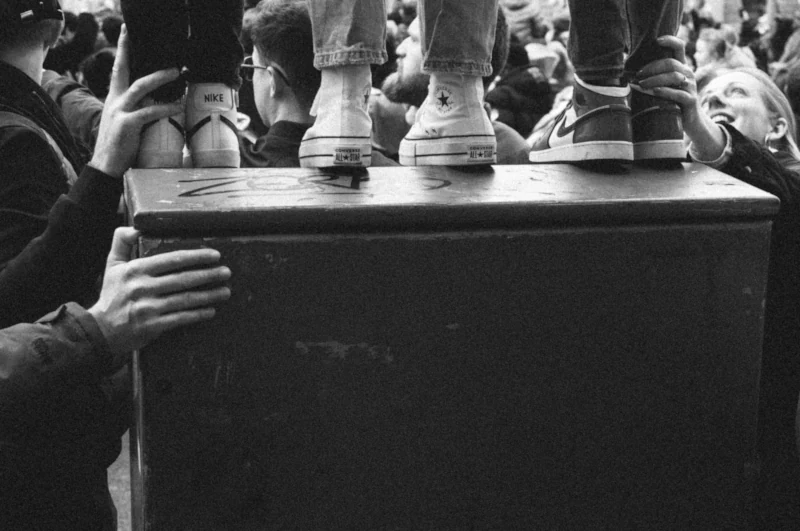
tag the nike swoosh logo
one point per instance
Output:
(563, 129)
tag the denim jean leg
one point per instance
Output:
(598, 38)
(214, 51)
(650, 19)
(458, 35)
(157, 31)
(348, 32)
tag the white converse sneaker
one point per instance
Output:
(161, 143)
(211, 125)
(451, 127)
(341, 134)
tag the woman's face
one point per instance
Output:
(735, 98)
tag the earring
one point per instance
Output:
(767, 143)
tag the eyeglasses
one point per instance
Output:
(248, 67)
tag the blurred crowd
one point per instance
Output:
(537, 76)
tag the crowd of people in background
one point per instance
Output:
(537, 77)
(734, 84)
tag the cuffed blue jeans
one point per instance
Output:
(202, 35)
(458, 35)
(601, 31)
(348, 32)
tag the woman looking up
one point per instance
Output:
(743, 125)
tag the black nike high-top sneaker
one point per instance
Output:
(595, 125)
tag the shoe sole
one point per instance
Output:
(325, 153)
(478, 151)
(667, 150)
(585, 151)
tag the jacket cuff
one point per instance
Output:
(96, 190)
(84, 321)
(720, 161)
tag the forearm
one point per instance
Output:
(63, 263)
(708, 139)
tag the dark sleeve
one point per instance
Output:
(56, 397)
(82, 110)
(63, 349)
(31, 180)
(63, 263)
(757, 166)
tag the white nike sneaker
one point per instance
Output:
(451, 127)
(161, 142)
(211, 132)
(595, 125)
(341, 134)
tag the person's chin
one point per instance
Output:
(404, 90)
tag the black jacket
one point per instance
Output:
(61, 414)
(778, 489)
(62, 267)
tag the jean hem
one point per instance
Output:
(467, 68)
(349, 57)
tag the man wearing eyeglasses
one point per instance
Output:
(285, 83)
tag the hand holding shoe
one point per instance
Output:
(674, 80)
(122, 119)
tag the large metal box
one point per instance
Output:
(530, 347)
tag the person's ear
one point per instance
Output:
(272, 83)
(779, 129)
(277, 84)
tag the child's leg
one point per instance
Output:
(157, 30)
(452, 127)
(213, 61)
(657, 123)
(349, 36)
(596, 125)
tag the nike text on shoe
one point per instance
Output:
(657, 128)
(211, 125)
(595, 125)
(161, 144)
(452, 127)
(341, 134)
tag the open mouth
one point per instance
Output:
(722, 118)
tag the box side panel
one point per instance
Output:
(595, 378)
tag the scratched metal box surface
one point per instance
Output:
(578, 375)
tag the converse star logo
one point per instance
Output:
(444, 100)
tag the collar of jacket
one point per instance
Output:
(20, 94)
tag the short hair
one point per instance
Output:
(70, 21)
(87, 28)
(281, 32)
(112, 27)
(500, 50)
(20, 34)
(96, 70)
